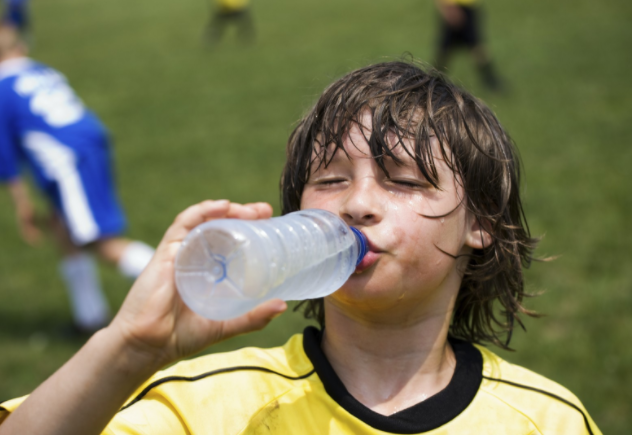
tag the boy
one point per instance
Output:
(430, 177)
(43, 125)
(459, 26)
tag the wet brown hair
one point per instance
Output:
(413, 102)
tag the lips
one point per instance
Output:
(372, 255)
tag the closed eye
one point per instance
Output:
(412, 184)
(329, 181)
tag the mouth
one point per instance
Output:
(371, 257)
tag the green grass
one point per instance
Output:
(193, 123)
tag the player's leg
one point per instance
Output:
(473, 40)
(216, 26)
(83, 192)
(54, 167)
(486, 68)
(130, 256)
(245, 26)
(94, 218)
(445, 43)
(80, 274)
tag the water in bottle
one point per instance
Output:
(226, 267)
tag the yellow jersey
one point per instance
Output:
(294, 390)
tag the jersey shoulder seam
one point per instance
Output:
(500, 399)
(544, 392)
(175, 378)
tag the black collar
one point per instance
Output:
(427, 415)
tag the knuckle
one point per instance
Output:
(182, 216)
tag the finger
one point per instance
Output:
(241, 211)
(255, 319)
(255, 210)
(264, 210)
(194, 216)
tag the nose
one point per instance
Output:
(362, 204)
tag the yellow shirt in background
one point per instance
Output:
(232, 5)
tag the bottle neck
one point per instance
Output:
(361, 242)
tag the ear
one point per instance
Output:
(479, 233)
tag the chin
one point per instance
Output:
(363, 297)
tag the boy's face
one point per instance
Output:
(405, 267)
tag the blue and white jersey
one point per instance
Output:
(36, 100)
(46, 127)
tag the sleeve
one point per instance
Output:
(148, 417)
(9, 142)
(9, 406)
(152, 417)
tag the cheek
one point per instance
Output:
(421, 241)
(453, 232)
(414, 236)
(323, 200)
(311, 199)
(316, 203)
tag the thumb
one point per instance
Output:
(254, 320)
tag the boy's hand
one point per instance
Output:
(156, 322)
(24, 212)
(28, 224)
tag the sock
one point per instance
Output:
(134, 259)
(89, 307)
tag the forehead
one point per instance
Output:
(361, 141)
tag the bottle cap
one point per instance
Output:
(362, 244)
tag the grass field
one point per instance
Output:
(192, 123)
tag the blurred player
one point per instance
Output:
(45, 127)
(16, 14)
(460, 27)
(227, 13)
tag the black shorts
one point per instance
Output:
(231, 14)
(467, 35)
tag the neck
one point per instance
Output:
(13, 54)
(389, 366)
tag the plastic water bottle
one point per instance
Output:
(226, 267)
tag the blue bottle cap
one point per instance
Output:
(362, 244)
